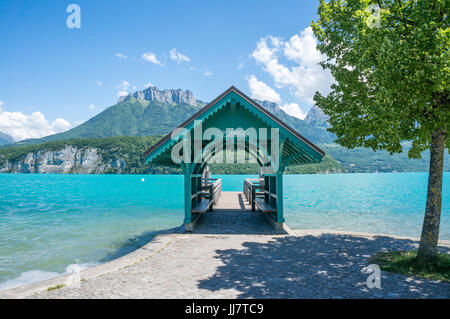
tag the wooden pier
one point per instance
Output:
(238, 123)
(232, 214)
(221, 207)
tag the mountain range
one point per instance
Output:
(155, 112)
(5, 139)
(142, 113)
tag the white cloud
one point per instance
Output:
(1, 106)
(192, 68)
(240, 63)
(207, 73)
(294, 110)
(262, 91)
(22, 126)
(123, 88)
(147, 85)
(60, 125)
(263, 53)
(121, 56)
(178, 56)
(91, 106)
(99, 83)
(300, 71)
(124, 85)
(151, 57)
(302, 49)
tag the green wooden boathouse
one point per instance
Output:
(230, 123)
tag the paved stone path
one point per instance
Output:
(304, 264)
(238, 255)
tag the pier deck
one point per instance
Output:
(232, 215)
(232, 201)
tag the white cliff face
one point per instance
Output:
(64, 161)
(166, 96)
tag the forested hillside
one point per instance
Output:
(120, 154)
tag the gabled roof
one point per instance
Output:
(313, 153)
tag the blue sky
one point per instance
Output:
(53, 77)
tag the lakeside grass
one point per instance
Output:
(56, 287)
(404, 262)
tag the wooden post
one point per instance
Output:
(211, 196)
(187, 193)
(252, 198)
(279, 186)
(208, 172)
(279, 182)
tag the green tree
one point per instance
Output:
(390, 60)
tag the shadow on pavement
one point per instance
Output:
(326, 266)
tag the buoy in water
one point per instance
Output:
(142, 179)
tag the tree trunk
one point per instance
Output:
(428, 247)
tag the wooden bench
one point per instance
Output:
(202, 206)
(263, 206)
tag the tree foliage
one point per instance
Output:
(390, 60)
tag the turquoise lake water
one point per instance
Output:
(54, 224)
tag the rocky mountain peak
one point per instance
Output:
(166, 96)
(315, 114)
(268, 105)
(5, 139)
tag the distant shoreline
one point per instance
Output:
(124, 154)
(243, 174)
